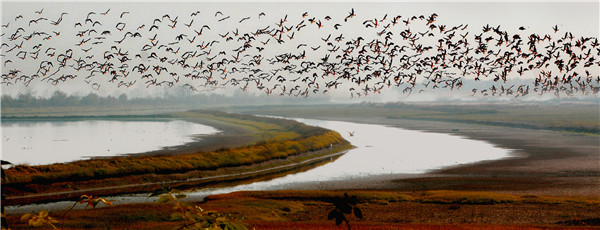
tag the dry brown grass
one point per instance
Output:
(381, 210)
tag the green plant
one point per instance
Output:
(344, 205)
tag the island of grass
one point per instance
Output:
(251, 147)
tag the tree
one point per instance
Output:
(59, 98)
(91, 99)
(123, 99)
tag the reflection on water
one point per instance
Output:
(380, 150)
(46, 142)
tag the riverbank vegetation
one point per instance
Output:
(278, 139)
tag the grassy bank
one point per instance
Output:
(279, 139)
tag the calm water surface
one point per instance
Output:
(46, 142)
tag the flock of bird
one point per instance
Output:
(296, 55)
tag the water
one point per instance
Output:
(47, 142)
(380, 150)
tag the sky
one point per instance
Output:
(579, 18)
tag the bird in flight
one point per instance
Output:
(359, 58)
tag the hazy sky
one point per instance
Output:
(582, 19)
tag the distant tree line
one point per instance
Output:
(61, 99)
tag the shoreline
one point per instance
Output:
(568, 165)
